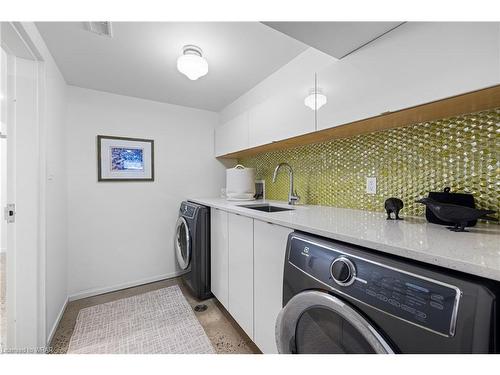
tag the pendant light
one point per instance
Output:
(192, 63)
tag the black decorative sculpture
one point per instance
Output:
(453, 213)
(393, 205)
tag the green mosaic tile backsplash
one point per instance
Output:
(461, 152)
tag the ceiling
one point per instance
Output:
(337, 39)
(140, 59)
(12, 41)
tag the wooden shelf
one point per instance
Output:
(475, 101)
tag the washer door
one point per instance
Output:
(182, 243)
(315, 322)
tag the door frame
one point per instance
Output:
(19, 39)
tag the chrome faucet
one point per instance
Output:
(292, 194)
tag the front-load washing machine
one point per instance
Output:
(340, 298)
(192, 247)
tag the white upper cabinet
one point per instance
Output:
(232, 136)
(275, 106)
(414, 64)
(282, 116)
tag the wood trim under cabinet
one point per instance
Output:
(474, 101)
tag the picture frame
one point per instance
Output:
(122, 159)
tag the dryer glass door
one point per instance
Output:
(316, 322)
(182, 243)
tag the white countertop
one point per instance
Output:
(476, 252)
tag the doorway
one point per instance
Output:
(3, 199)
(22, 273)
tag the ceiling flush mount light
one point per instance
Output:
(192, 63)
(315, 100)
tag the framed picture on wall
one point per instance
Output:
(124, 159)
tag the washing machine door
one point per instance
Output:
(316, 322)
(182, 243)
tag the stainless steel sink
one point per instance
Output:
(266, 207)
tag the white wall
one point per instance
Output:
(121, 233)
(56, 261)
(54, 191)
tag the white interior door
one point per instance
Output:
(24, 309)
(3, 198)
(8, 192)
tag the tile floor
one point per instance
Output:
(224, 333)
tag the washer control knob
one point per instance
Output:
(343, 271)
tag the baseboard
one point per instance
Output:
(97, 291)
(56, 323)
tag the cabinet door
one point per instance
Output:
(414, 64)
(269, 257)
(282, 116)
(241, 271)
(219, 255)
(232, 136)
(348, 93)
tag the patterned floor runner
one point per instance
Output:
(160, 321)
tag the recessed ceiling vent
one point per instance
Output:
(100, 28)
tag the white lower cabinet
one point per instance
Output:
(241, 288)
(269, 257)
(219, 255)
(247, 261)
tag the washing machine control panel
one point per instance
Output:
(187, 210)
(343, 271)
(426, 302)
